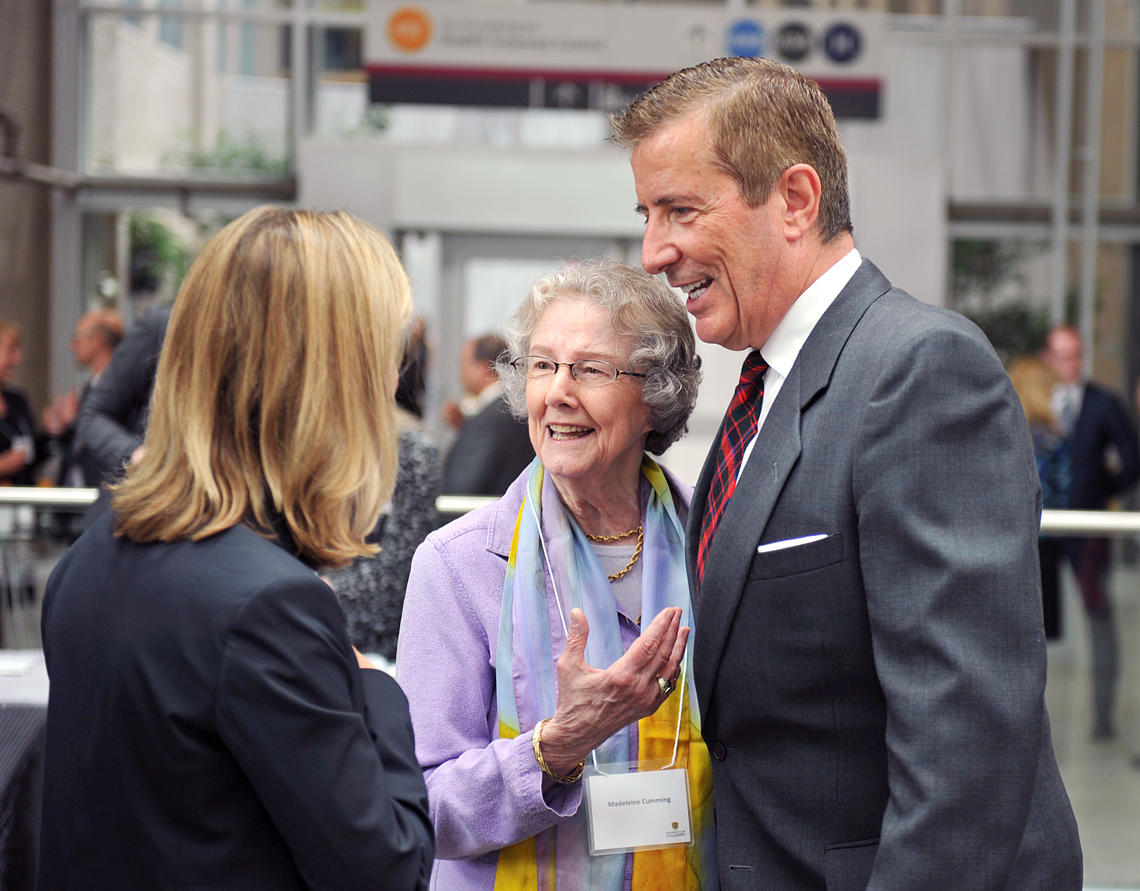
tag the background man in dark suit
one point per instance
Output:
(493, 446)
(97, 334)
(93, 343)
(868, 652)
(112, 420)
(1104, 460)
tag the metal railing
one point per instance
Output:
(70, 498)
(1074, 522)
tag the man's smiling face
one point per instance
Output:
(729, 258)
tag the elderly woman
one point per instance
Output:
(209, 724)
(547, 630)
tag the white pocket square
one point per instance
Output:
(789, 543)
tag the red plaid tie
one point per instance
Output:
(739, 428)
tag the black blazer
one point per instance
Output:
(18, 421)
(491, 449)
(208, 727)
(1102, 424)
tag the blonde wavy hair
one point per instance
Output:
(1034, 380)
(274, 399)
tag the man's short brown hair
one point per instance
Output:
(763, 117)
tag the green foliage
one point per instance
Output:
(157, 256)
(990, 287)
(374, 120)
(982, 265)
(229, 153)
(1014, 329)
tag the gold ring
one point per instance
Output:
(666, 686)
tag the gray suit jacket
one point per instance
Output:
(874, 700)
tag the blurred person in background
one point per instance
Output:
(1034, 381)
(371, 589)
(412, 390)
(96, 336)
(548, 629)
(492, 446)
(112, 419)
(209, 723)
(1104, 461)
(20, 445)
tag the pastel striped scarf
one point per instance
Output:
(559, 857)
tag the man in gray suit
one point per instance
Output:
(869, 651)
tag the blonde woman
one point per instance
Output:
(209, 722)
(1034, 380)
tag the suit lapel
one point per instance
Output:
(775, 453)
(757, 493)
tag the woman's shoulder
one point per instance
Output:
(235, 578)
(227, 567)
(486, 528)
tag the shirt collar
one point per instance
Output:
(786, 341)
(487, 395)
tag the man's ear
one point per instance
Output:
(800, 188)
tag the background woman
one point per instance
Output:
(371, 590)
(1034, 380)
(209, 724)
(521, 645)
(17, 424)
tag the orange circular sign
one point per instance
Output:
(409, 28)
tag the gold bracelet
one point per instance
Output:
(536, 743)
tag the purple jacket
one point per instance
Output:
(484, 793)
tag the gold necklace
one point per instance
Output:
(636, 530)
(636, 553)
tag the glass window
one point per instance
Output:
(155, 110)
(248, 58)
(342, 48)
(171, 31)
(135, 20)
(223, 40)
(494, 287)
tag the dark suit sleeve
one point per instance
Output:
(1123, 436)
(491, 450)
(110, 419)
(948, 505)
(327, 746)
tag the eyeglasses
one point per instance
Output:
(589, 372)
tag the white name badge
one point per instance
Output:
(641, 810)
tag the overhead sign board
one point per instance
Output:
(595, 55)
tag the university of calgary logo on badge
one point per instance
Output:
(409, 28)
(675, 824)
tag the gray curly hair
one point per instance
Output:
(640, 307)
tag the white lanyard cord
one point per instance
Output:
(566, 633)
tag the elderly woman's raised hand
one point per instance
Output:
(593, 704)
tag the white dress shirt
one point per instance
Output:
(1066, 404)
(783, 345)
